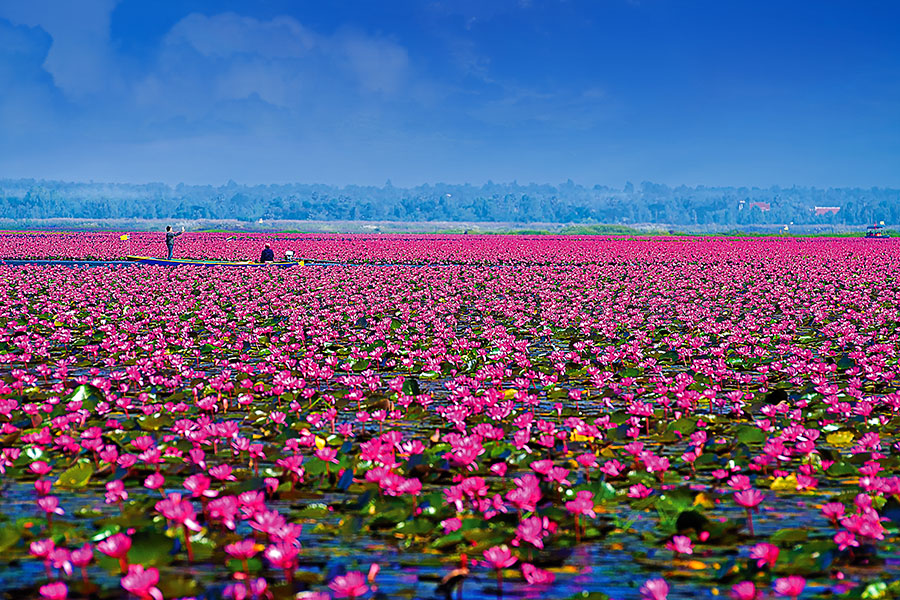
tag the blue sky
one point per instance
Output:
(360, 91)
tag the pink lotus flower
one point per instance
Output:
(282, 555)
(240, 591)
(845, 539)
(765, 554)
(536, 576)
(791, 586)
(451, 525)
(542, 467)
(115, 492)
(744, 590)
(749, 498)
(655, 589)
(222, 473)
(680, 544)
(351, 585)
(179, 511)
(50, 505)
(40, 467)
(533, 530)
(526, 494)
(639, 490)
(583, 504)
(54, 591)
(199, 486)
(612, 468)
(499, 557)
(242, 550)
(142, 582)
(42, 548)
(739, 482)
(499, 469)
(587, 460)
(327, 454)
(82, 557)
(60, 558)
(833, 511)
(154, 481)
(115, 546)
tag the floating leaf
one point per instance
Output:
(154, 422)
(877, 590)
(840, 438)
(683, 425)
(254, 565)
(704, 501)
(106, 531)
(76, 476)
(789, 536)
(151, 548)
(178, 587)
(9, 537)
(313, 511)
(841, 469)
(411, 387)
(788, 483)
(88, 395)
(747, 434)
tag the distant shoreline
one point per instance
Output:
(63, 224)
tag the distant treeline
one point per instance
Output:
(503, 202)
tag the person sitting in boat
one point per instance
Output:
(170, 239)
(268, 255)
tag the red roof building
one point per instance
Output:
(824, 210)
(763, 206)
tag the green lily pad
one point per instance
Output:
(747, 434)
(9, 537)
(76, 476)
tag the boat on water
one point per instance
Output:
(178, 262)
(877, 231)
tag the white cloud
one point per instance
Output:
(279, 60)
(379, 65)
(573, 110)
(224, 35)
(80, 59)
(208, 59)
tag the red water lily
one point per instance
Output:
(468, 403)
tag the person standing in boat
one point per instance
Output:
(170, 239)
(268, 255)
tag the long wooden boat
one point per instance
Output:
(177, 262)
(876, 232)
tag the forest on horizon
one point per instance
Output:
(492, 202)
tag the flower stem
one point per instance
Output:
(187, 544)
(577, 531)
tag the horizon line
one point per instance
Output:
(389, 184)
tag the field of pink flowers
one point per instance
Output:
(452, 417)
(438, 249)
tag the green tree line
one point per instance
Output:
(492, 202)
